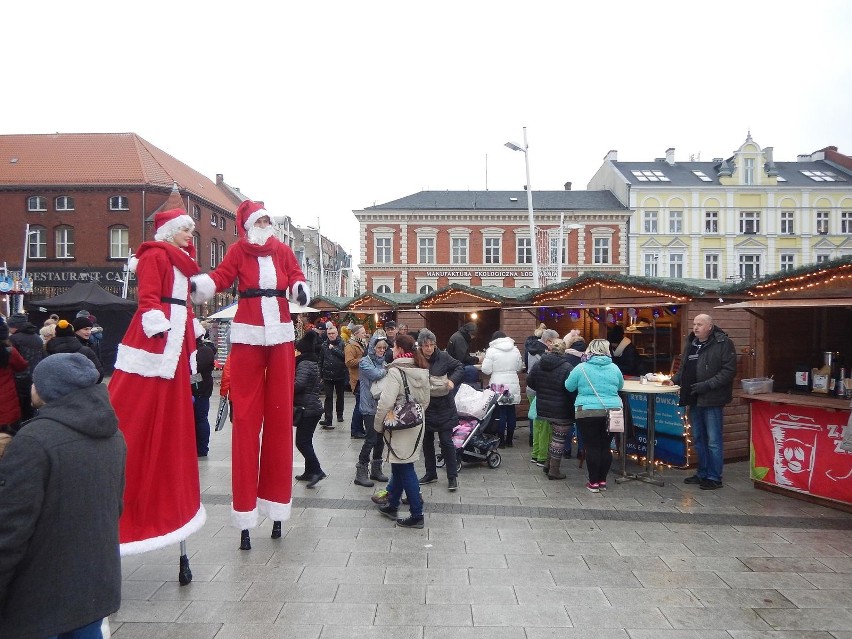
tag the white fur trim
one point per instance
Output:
(167, 230)
(294, 291)
(205, 288)
(155, 543)
(154, 321)
(254, 217)
(243, 520)
(276, 511)
(199, 329)
(193, 362)
(278, 333)
(132, 264)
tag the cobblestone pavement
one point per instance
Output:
(510, 555)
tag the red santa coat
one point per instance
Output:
(150, 391)
(262, 394)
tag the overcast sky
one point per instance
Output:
(319, 108)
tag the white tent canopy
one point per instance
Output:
(228, 312)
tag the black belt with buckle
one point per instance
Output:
(263, 292)
(173, 300)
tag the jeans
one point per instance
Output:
(598, 442)
(333, 387)
(92, 631)
(506, 421)
(305, 442)
(200, 407)
(372, 442)
(707, 438)
(404, 478)
(448, 450)
(356, 426)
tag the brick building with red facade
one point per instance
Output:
(89, 200)
(427, 240)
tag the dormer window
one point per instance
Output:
(748, 171)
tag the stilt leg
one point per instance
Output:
(245, 540)
(184, 574)
(276, 530)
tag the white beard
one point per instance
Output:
(259, 236)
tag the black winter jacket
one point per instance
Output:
(204, 357)
(332, 361)
(548, 381)
(30, 345)
(61, 487)
(459, 347)
(441, 413)
(717, 365)
(70, 344)
(307, 384)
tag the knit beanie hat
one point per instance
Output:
(64, 328)
(308, 343)
(18, 320)
(59, 374)
(4, 330)
(81, 322)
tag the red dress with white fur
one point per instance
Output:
(150, 391)
(263, 365)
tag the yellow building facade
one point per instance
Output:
(731, 219)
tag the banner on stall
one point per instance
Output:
(670, 445)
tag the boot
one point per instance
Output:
(245, 540)
(553, 469)
(376, 471)
(546, 468)
(581, 456)
(361, 478)
(276, 530)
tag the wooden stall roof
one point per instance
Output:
(458, 298)
(815, 282)
(599, 290)
(329, 303)
(381, 302)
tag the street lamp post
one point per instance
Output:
(525, 150)
(340, 280)
(27, 235)
(319, 254)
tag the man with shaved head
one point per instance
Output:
(706, 381)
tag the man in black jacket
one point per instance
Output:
(332, 365)
(61, 486)
(706, 382)
(459, 345)
(202, 389)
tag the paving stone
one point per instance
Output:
(465, 594)
(280, 592)
(528, 616)
(331, 614)
(148, 630)
(723, 618)
(407, 574)
(829, 619)
(372, 632)
(628, 617)
(828, 580)
(727, 564)
(680, 579)
(772, 580)
(650, 597)
(820, 598)
(275, 630)
(741, 598)
(393, 614)
(785, 564)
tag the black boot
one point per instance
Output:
(184, 574)
(276, 530)
(245, 540)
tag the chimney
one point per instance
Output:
(670, 156)
(219, 178)
(717, 160)
(611, 156)
(803, 158)
(567, 186)
(768, 152)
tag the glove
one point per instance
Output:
(301, 296)
(192, 286)
(700, 388)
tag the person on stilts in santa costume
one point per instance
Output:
(262, 351)
(150, 391)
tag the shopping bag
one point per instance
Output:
(615, 420)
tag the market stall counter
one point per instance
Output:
(795, 447)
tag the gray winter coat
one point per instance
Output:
(402, 446)
(61, 487)
(370, 368)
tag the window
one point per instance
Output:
(426, 250)
(214, 251)
(601, 250)
(119, 242)
(554, 244)
(711, 266)
(64, 203)
(235, 229)
(36, 203)
(676, 265)
(425, 289)
(222, 249)
(822, 176)
(822, 222)
(196, 212)
(37, 242)
(65, 242)
(222, 223)
(749, 266)
(650, 176)
(846, 222)
(711, 222)
(383, 251)
(459, 250)
(787, 227)
(650, 260)
(492, 250)
(748, 171)
(196, 243)
(524, 251)
(822, 257)
(788, 262)
(749, 222)
(650, 224)
(701, 175)
(119, 203)
(384, 288)
(214, 221)
(676, 222)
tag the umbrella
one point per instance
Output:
(228, 312)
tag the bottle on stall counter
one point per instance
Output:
(839, 385)
(822, 376)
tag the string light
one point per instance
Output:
(802, 282)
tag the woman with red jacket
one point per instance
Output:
(11, 362)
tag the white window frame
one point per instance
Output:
(119, 242)
(196, 212)
(748, 171)
(711, 222)
(787, 262)
(383, 247)
(788, 223)
(426, 253)
(523, 250)
(37, 241)
(214, 253)
(222, 223)
(749, 222)
(676, 262)
(425, 289)
(64, 203)
(459, 250)
(821, 258)
(64, 242)
(711, 267)
(749, 262)
(383, 288)
(552, 245)
(222, 249)
(196, 243)
(650, 222)
(651, 264)
(675, 222)
(119, 203)
(492, 249)
(822, 222)
(846, 222)
(36, 204)
(601, 250)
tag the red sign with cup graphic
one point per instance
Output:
(798, 448)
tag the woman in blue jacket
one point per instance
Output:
(597, 383)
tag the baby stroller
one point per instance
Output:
(473, 441)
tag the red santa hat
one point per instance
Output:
(250, 212)
(167, 223)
